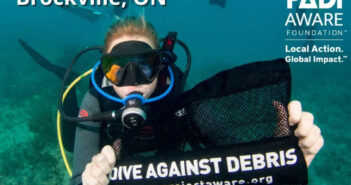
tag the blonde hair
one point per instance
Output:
(131, 26)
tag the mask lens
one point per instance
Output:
(148, 63)
(110, 67)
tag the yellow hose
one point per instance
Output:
(62, 149)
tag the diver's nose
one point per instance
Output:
(133, 74)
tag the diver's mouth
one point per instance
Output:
(135, 92)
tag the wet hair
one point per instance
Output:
(131, 26)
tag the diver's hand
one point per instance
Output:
(101, 165)
(309, 134)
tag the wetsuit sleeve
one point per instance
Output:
(87, 138)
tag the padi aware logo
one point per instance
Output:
(315, 31)
(328, 19)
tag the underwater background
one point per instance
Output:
(219, 38)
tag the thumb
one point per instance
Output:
(295, 111)
(109, 153)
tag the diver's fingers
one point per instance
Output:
(305, 126)
(315, 148)
(99, 175)
(96, 171)
(101, 162)
(311, 152)
(295, 110)
(104, 180)
(87, 177)
(311, 139)
(109, 155)
(90, 180)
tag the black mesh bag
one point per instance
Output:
(238, 115)
(241, 105)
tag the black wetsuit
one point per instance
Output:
(91, 137)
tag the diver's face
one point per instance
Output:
(145, 89)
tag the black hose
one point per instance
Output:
(68, 71)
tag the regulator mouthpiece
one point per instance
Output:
(133, 116)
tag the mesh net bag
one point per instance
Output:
(243, 104)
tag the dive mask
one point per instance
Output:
(131, 63)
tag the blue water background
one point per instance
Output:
(245, 31)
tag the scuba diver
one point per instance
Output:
(139, 79)
(135, 40)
